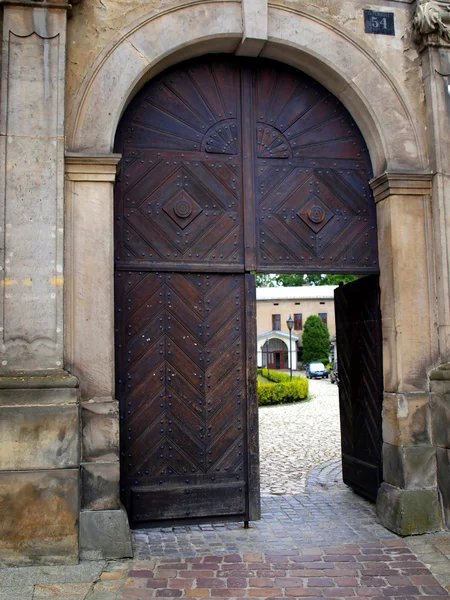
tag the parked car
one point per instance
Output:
(316, 370)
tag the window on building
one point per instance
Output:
(323, 316)
(276, 322)
(322, 303)
(298, 322)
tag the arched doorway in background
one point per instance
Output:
(275, 354)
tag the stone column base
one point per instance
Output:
(409, 512)
(39, 468)
(104, 534)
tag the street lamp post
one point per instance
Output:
(290, 325)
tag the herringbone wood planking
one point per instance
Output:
(358, 332)
(183, 387)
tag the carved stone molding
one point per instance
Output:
(401, 184)
(40, 3)
(91, 167)
(432, 18)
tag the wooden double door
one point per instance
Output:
(229, 167)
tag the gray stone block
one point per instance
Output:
(443, 477)
(100, 431)
(14, 397)
(409, 467)
(440, 387)
(440, 417)
(39, 517)
(41, 379)
(100, 486)
(409, 512)
(39, 437)
(104, 534)
(442, 373)
(407, 419)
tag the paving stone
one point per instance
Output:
(311, 435)
(61, 590)
(23, 576)
(22, 593)
(103, 596)
(394, 583)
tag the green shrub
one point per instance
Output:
(281, 393)
(276, 376)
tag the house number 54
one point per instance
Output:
(379, 22)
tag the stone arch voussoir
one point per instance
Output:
(326, 53)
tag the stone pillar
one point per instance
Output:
(39, 410)
(89, 326)
(408, 500)
(31, 191)
(432, 32)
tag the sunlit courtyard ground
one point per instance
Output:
(295, 438)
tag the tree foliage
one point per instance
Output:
(265, 280)
(315, 340)
(302, 279)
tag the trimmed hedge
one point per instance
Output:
(281, 393)
(283, 390)
(275, 376)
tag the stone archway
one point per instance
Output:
(402, 189)
(344, 65)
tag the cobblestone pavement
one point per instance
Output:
(387, 569)
(310, 435)
(323, 541)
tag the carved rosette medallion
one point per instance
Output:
(182, 209)
(316, 214)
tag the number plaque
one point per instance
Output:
(379, 22)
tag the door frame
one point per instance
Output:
(401, 186)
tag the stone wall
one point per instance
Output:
(53, 477)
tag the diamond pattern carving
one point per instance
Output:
(315, 214)
(187, 209)
(182, 209)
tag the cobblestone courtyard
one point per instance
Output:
(316, 538)
(296, 438)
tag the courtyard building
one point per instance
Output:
(154, 157)
(274, 306)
